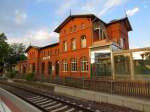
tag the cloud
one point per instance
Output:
(39, 37)
(66, 6)
(91, 6)
(101, 7)
(28, 27)
(109, 5)
(133, 11)
(145, 3)
(20, 17)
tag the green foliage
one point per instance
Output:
(10, 54)
(11, 74)
(16, 53)
(4, 49)
(29, 76)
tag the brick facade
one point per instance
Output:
(71, 56)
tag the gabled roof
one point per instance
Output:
(40, 48)
(36, 47)
(50, 45)
(92, 16)
(125, 20)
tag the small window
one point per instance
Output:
(43, 53)
(49, 52)
(30, 67)
(121, 42)
(104, 35)
(71, 29)
(73, 44)
(55, 51)
(74, 65)
(82, 26)
(84, 64)
(64, 32)
(74, 28)
(33, 67)
(65, 46)
(65, 66)
(83, 41)
(43, 68)
(50, 67)
(101, 34)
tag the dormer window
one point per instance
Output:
(100, 33)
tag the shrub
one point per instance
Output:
(11, 74)
(29, 76)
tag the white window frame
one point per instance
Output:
(121, 42)
(84, 64)
(65, 66)
(65, 46)
(83, 41)
(102, 34)
(74, 66)
(73, 44)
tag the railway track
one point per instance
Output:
(49, 102)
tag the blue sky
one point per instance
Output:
(35, 20)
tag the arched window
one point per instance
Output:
(73, 65)
(65, 46)
(73, 44)
(83, 41)
(49, 67)
(74, 28)
(71, 29)
(84, 64)
(43, 68)
(64, 32)
(65, 65)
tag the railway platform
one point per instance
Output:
(12, 103)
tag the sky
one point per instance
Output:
(33, 21)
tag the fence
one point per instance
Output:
(124, 87)
(107, 85)
(134, 63)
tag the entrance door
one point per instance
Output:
(57, 68)
(103, 64)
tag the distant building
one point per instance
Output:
(85, 43)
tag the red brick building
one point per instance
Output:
(85, 44)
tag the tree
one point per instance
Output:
(4, 49)
(16, 53)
